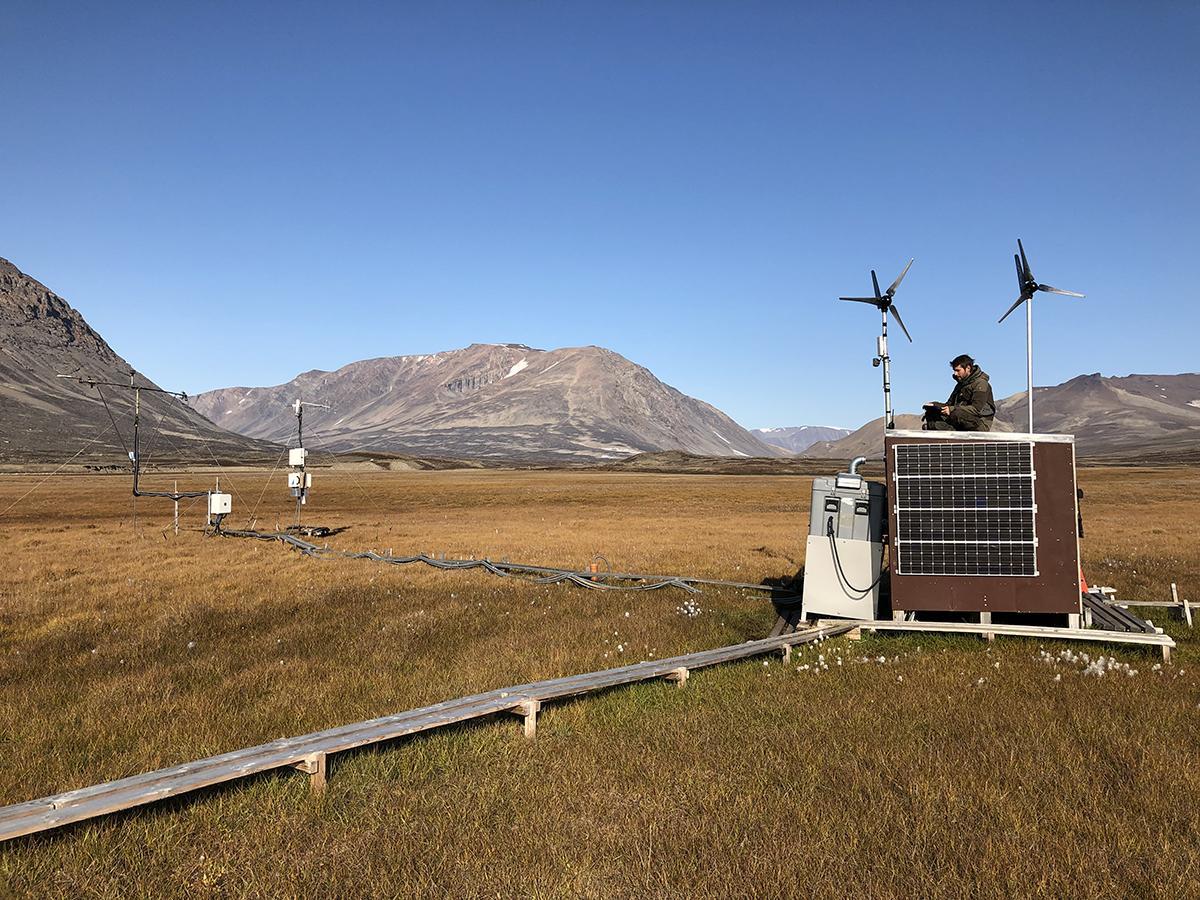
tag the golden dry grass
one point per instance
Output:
(902, 778)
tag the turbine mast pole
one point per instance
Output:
(1029, 356)
(887, 376)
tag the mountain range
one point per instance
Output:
(1131, 417)
(497, 402)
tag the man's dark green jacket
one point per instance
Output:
(973, 395)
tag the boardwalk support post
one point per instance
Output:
(315, 766)
(1187, 609)
(529, 710)
(679, 676)
(985, 618)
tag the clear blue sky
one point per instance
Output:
(235, 193)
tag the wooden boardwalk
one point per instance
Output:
(309, 752)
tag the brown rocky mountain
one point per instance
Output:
(1133, 417)
(1137, 415)
(44, 418)
(488, 401)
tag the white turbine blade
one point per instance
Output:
(896, 283)
(1054, 290)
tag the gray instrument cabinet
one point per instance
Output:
(856, 509)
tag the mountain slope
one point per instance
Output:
(46, 418)
(499, 401)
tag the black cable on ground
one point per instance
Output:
(838, 562)
(537, 574)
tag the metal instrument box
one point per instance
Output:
(842, 576)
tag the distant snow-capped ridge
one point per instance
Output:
(798, 438)
(793, 428)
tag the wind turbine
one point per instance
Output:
(1029, 286)
(883, 302)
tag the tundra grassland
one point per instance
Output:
(892, 767)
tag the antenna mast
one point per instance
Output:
(300, 482)
(218, 503)
(883, 302)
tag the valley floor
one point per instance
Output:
(901, 766)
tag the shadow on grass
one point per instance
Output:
(787, 593)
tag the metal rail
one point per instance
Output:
(309, 752)
(1111, 616)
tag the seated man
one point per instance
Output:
(970, 407)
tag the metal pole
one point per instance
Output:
(176, 491)
(300, 441)
(888, 422)
(1029, 356)
(137, 415)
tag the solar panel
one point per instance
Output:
(965, 508)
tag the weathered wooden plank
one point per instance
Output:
(1037, 631)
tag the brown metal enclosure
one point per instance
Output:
(1054, 588)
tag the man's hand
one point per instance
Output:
(945, 410)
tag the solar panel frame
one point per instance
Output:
(966, 509)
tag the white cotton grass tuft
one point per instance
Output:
(1096, 667)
